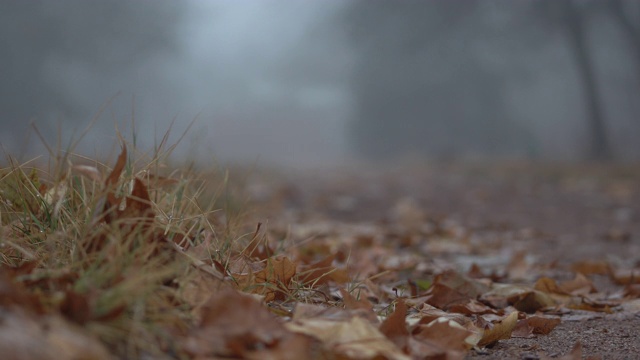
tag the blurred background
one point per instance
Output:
(300, 83)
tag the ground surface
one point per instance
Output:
(413, 261)
(526, 221)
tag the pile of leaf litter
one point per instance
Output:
(137, 261)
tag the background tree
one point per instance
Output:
(61, 60)
(494, 78)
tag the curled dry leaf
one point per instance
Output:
(499, 331)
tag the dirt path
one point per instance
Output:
(521, 220)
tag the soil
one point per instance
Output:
(556, 215)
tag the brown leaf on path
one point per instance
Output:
(473, 307)
(591, 267)
(542, 325)
(441, 339)
(632, 291)
(352, 303)
(535, 325)
(321, 272)
(549, 286)
(443, 297)
(499, 331)
(462, 284)
(355, 338)
(235, 325)
(429, 313)
(531, 301)
(394, 327)
(580, 285)
(272, 280)
(522, 330)
(626, 276)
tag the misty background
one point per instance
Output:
(323, 82)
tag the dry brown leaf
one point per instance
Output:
(499, 331)
(590, 267)
(394, 327)
(580, 285)
(473, 307)
(462, 284)
(626, 276)
(535, 325)
(235, 324)
(356, 338)
(352, 303)
(443, 297)
(442, 338)
(531, 301)
(542, 325)
(271, 281)
(113, 177)
(430, 313)
(549, 286)
(322, 272)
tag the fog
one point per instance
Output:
(304, 83)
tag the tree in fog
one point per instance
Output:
(59, 58)
(495, 77)
(419, 85)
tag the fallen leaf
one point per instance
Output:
(580, 285)
(352, 303)
(394, 327)
(590, 267)
(535, 325)
(322, 272)
(235, 324)
(442, 338)
(626, 276)
(355, 338)
(272, 281)
(499, 331)
(542, 325)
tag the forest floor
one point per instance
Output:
(515, 223)
(437, 261)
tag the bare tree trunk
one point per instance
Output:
(631, 30)
(599, 146)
